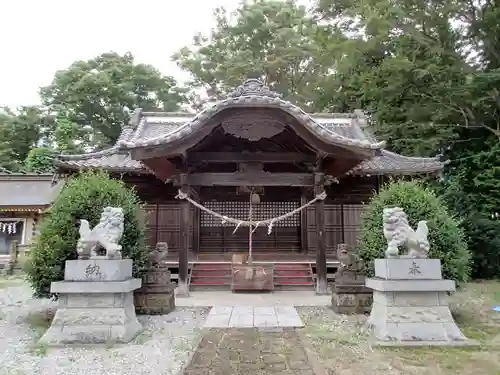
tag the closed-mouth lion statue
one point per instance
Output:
(106, 234)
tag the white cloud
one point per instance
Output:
(41, 37)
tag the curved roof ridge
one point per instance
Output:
(176, 114)
(415, 158)
(109, 151)
(247, 100)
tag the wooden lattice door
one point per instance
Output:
(216, 236)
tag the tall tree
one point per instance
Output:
(69, 137)
(20, 131)
(101, 92)
(401, 60)
(276, 41)
(39, 160)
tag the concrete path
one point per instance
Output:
(249, 316)
(248, 351)
(278, 298)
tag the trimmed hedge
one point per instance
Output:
(446, 238)
(84, 197)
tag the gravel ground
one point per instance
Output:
(163, 348)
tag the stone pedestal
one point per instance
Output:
(96, 304)
(349, 294)
(351, 299)
(157, 294)
(410, 304)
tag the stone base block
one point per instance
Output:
(410, 285)
(408, 269)
(94, 317)
(351, 303)
(94, 287)
(414, 319)
(155, 300)
(98, 270)
(182, 289)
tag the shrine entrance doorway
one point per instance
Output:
(216, 236)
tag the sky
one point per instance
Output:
(40, 37)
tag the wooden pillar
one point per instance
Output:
(183, 283)
(321, 283)
(196, 222)
(303, 223)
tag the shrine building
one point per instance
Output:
(251, 148)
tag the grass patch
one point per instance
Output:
(39, 322)
(342, 341)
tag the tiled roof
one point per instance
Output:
(386, 163)
(111, 160)
(347, 130)
(156, 129)
(390, 163)
(33, 190)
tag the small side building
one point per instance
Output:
(23, 200)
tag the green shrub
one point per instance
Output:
(483, 238)
(83, 197)
(420, 203)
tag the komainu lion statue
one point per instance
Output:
(105, 235)
(158, 255)
(398, 233)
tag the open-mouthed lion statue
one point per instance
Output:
(106, 234)
(398, 233)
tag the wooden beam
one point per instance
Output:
(183, 286)
(161, 167)
(251, 179)
(250, 157)
(321, 282)
(337, 167)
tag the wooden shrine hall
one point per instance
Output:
(251, 144)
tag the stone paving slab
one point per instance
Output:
(209, 298)
(248, 351)
(249, 316)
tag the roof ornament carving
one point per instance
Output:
(253, 86)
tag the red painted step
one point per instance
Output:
(218, 276)
(211, 275)
(293, 276)
(208, 283)
(195, 275)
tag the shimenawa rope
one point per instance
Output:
(246, 223)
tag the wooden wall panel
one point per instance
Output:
(352, 223)
(163, 225)
(333, 228)
(343, 209)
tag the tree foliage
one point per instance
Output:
(275, 41)
(39, 160)
(419, 203)
(20, 131)
(101, 92)
(83, 197)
